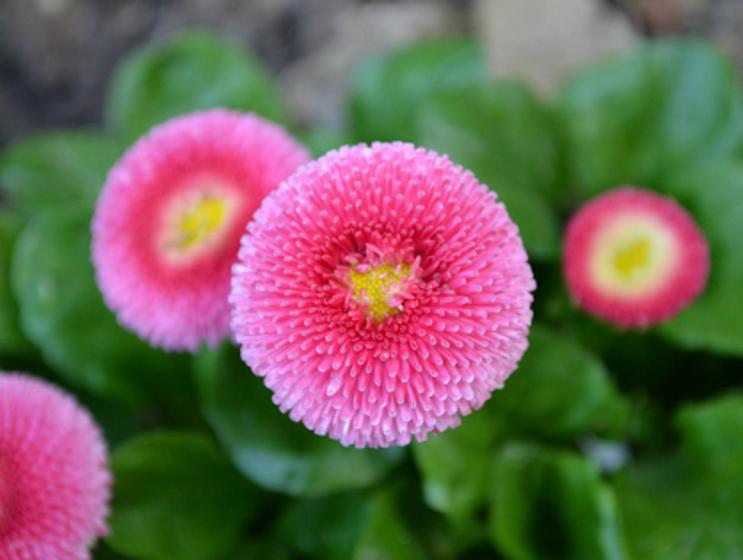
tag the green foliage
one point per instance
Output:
(657, 112)
(559, 392)
(63, 314)
(177, 496)
(689, 505)
(58, 169)
(509, 140)
(511, 481)
(267, 446)
(12, 340)
(193, 71)
(715, 320)
(386, 91)
(552, 504)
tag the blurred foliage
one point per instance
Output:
(603, 445)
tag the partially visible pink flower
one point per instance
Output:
(382, 293)
(169, 220)
(54, 477)
(634, 258)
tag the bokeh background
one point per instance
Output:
(56, 56)
(604, 444)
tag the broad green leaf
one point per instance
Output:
(193, 71)
(508, 139)
(552, 504)
(714, 196)
(177, 496)
(12, 340)
(689, 505)
(456, 465)
(386, 91)
(325, 528)
(267, 446)
(63, 314)
(385, 537)
(559, 390)
(57, 169)
(652, 114)
(712, 434)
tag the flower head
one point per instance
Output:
(634, 257)
(382, 293)
(169, 220)
(54, 478)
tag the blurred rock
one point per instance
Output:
(723, 24)
(541, 41)
(315, 86)
(56, 56)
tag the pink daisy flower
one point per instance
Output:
(382, 293)
(54, 478)
(634, 258)
(169, 220)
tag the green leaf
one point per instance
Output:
(714, 195)
(326, 528)
(177, 496)
(57, 169)
(12, 340)
(552, 504)
(712, 434)
(508, 139)
(652, 114)
(386, 91)
(559, 390)
(456, 465)
(688, 505)
(267, 446)
(63, 314)
(191, 72)
(385, 537)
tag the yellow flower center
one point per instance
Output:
(200, 222)
(195, 223)
(380, 288)
(632, 256)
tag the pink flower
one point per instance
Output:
(634, 257)
(54, 478)
(169, 220)
(382, 293)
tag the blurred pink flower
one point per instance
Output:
(169, 221)
(382, 293)
(54, 478)
(634, 258)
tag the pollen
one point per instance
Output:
(201, 221)
(380, 289)
(632, 258)
(196, 223)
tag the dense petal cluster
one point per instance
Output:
(382, 293)
(54, 478)
(634, 258)
(169, 220)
